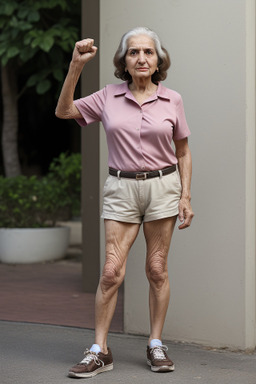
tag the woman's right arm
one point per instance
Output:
(83, 52)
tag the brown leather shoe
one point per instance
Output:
(92, 364)
(158, 360)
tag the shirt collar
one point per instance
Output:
(163, 92)
(123, 89)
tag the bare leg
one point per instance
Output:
(158, 236)
(119, 239)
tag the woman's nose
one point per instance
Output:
(142, 57)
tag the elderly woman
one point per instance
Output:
(148, 182)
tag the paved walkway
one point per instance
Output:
(42, 354)
(50, 293)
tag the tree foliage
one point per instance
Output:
(39, 32)
(35, 39)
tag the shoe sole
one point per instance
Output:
(105, 368)
(162, 368)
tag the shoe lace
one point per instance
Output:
(158, 352)
(90, 356)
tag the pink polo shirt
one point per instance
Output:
(138, 136)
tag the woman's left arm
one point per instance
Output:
(183, 155)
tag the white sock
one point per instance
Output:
(95, 348)
(155, 343)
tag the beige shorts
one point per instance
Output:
(135, 201)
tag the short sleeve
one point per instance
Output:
(91, 107)
(181, 129)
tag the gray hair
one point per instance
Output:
(140, 31)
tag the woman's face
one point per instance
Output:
(141, 58)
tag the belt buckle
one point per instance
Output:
(141, 176)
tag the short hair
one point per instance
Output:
(164, 61)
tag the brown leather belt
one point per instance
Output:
(142, 175)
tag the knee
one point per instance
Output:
(156, 271)
(112, 276)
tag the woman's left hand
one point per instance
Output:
(185, 169)
(185, 213)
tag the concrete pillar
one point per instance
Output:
(90, 159)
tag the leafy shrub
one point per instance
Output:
(31, 202)
(66, 169)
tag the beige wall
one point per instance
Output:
(212, 264)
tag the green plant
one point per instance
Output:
(66, 169)
(31, 202)
(35, 41)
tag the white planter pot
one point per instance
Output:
(33, 245)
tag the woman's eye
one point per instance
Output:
(149, 52)
(133, 52)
